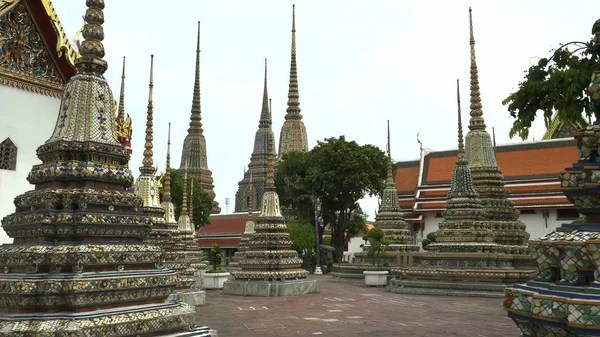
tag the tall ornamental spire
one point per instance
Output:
(121, 111)
(196, 117)
(148, 161)
(293, 132)
(184, 210)
(265, 115)
(390, 173)
(167, 181)
(123, 124)
(461, 144)
(487, 176)
(263, 152)
(91, 51)
(476, 122)
(193, 152)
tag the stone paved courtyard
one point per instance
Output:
(348, 310)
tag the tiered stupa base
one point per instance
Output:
(270, 288)
(353, 272)
(143, 320)
(459, 274)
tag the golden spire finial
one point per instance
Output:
(293, 109)
(148, 161)
(196, 116)
(167, 183)
(390, 173)
(184, 210)
(476, 123)
(121, 111)
(91, 51)
(265, 116)
(461, 159)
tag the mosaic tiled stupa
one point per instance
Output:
(488, 179)
(248, 230)
(270, 266)
(78, 265)
(464, 260)
(259, 158)
(193, 153)
(564, 300)
(390, 219)
(293, 131)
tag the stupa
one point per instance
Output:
(78, 265)
(293, 132)
(193, 153)
(259, 158)
(270, 266)
(390, 219)
(564, 299)
(488, 179)
(248, 230)
(464, 260)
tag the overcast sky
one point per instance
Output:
(360, 63)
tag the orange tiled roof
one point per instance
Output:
(223, 242)
(225, 225)
(516, 161)
(406, 176)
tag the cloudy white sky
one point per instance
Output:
(360, 63)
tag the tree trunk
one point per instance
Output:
(337, 241)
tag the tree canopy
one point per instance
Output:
(555, 84)
(340, 173)
(202, 202)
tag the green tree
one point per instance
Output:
(341, 173)
(302, 234)
(556, 83)
(295, 196)
(202, 202)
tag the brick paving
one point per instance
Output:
(348, 310)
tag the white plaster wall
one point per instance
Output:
(28, 119)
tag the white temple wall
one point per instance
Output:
(28, 119)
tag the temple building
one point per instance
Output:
(193, 152)
(79, 264)
(261, 154)
(293, 132)
(30, 89)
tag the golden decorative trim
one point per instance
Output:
(63, 46)
(31, 86)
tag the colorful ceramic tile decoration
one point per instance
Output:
(79, 265)
(564, 300)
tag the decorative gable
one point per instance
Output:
(26, 61)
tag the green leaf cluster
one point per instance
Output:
(428, 240)
(302, 234)
(554, 84)
(377, 245)
(202, 203)
(340, 173)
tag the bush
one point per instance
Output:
(215, 257)
(425, 243)
(377, 245)
(431, 236)
(327, 240)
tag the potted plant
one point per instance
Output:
(378, 256)
(214, 279)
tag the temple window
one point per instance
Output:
(8, 155)
(567, 214)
